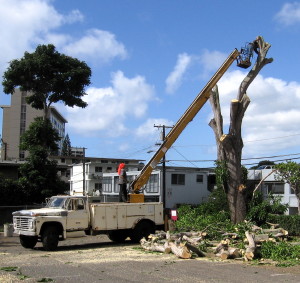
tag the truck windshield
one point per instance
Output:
(56, 203)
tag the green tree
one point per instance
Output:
(39, 177)
(12, 192)
(66, 146)
(290, 173)
(49, 77)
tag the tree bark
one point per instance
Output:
(229, 146)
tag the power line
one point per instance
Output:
(274, 138)
(184, 157)
(252, 158)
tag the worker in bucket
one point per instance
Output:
(122, 183)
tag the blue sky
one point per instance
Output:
(149, 60)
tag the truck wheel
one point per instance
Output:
(28, 242)
(50, 238)
(118, 236)
(141, 230)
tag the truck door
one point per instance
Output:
(78, 218)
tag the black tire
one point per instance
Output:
(50, 238)
(118, 236)
(28, 242)
(142, 230)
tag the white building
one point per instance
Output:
(271, 185)
(184, 185)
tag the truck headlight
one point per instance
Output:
(31, 224)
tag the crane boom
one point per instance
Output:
(187, 117)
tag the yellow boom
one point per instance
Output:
(187, 117)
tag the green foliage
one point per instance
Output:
(280, 251)
(290, 173)
(291, 223)
(39, 174)
(221, 172)
(259, 208)
(207, 216)
(216, 200)
(49, 76)
(40, 134)
(14, 195)
(66, 146)
(193, 219)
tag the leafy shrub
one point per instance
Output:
(291, 223)
(206, 217)
(280, 251)
(259, 208)
(193, 218)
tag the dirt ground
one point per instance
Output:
(91, 259)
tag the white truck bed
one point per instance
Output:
(110, 216)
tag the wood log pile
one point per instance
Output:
(188, 245)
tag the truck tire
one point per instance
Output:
(28, 242)
(118, 236)
(142, 230)
(50, 238)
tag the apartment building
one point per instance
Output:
(16, 120)
(184, 185)
(271, 185)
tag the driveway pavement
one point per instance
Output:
(94, 259)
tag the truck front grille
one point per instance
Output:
(22, 223)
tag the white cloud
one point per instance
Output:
(97, 44)
(274, 112)
(174, 80)
(31, 22)
(73, 17)
(211, 60)
(25, 22)
(289, 14)
(109, 109)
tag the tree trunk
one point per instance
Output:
(229, 146)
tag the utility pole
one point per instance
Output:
(163, 136)
(83, 171)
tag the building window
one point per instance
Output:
(63, 160)
(199, 179)
(98, 169)
(153, 184)
(107, 184)
(178, 179)
(275, 188)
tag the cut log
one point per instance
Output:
(273, 226)
(180, 251)
(275, 231)
(249, 254)
(193, 241)
(195, 250)
(261, 238)
(223, 254)
(155, 247)
(234, 252)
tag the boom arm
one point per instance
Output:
(187, 117)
